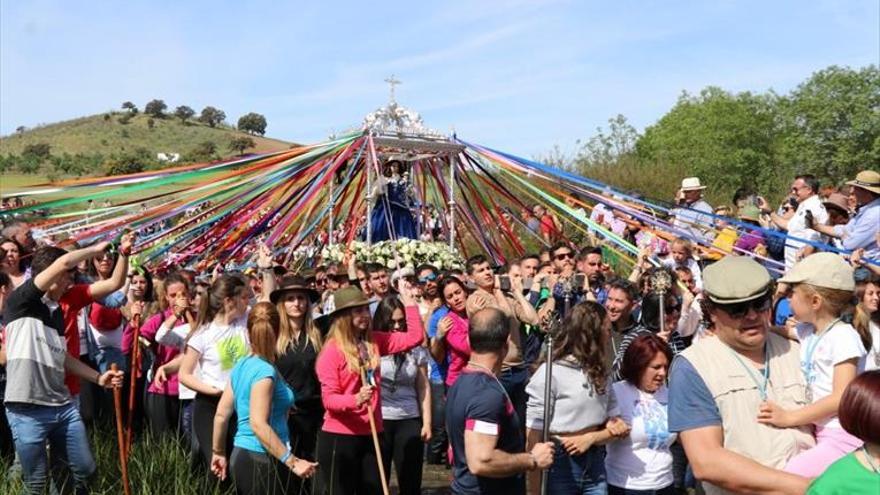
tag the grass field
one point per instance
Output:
(95, 134)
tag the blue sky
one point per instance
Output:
(521, 76)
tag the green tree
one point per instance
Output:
(204, 151)
(184, 113)
(252, 123)
(20, 130)
(606, 148)
(726, 139)
(156, 108)
(151, 123)
(40, 151)
(125, 118)
(831, 123)
(212, 116)
(241, 143)
(28, 164)
(131, 107)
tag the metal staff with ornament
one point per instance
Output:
(661, 282)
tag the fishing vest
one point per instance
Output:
(738, 398)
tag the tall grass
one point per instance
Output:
(156, 467)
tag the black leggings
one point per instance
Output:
(347, 465)
(163, 413)
(404, 447)
(257, 474)
(204, 408)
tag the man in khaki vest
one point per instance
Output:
(717, 385)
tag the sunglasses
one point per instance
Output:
(564, 256)
(428, 278)
(740, 310)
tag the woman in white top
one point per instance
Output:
(219, 341)
(642, 462)
(867, 320)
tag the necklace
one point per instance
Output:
(807, 365)
(870, 459)
(762, 385)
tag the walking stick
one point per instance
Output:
(373, 431)
(132, 382)
(123, 464)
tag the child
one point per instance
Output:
(682, 254)
(857, 473)
(830, 353)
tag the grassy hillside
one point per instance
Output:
(98, 134)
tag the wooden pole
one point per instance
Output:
(375, 434)
(123, 464)
(132, 382)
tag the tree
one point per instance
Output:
(726, 139)
(20, 130)
(40, 151)
(607, 149)
(831, 123)
(212, 116)
(184, 113)
(241, 143)
(204, 151)
(128, 163)
(252, 123)
(156, 108)
(151, 123)
(131, 107)
(29, 164)
(125, 118)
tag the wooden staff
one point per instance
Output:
(117, 403)
(375, 433)
(132, 382)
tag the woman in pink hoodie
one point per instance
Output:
(348, 369)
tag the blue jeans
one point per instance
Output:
(61, 426)
(578, 475)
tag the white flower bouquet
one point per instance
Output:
(403, 253)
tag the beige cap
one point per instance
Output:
(827, 270)
(735, 279)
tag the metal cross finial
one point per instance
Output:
(392, 82)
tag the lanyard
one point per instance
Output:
(807, 363)
(870, 460)
(762, 386)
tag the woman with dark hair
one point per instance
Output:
(14, 265)
(219, 341)
(857, 473)
(450, 343)
(579, 402)
(261, 461)
(641, 463)
(348, 369)
(406, 402)
(866, 320)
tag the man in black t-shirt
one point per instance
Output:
(484, 429)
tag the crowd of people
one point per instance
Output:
(701, 369)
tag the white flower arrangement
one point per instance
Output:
(403, 253)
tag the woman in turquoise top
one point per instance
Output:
(857, 473)
(261, 460)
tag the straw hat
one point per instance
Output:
(867, 179)
(691, 184)
(839, 201)
(344, 298)
(292, 283)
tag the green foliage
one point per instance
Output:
(252, 123)
(129, 163)
(204, 151)
(241, 143)
(40, 151)
(107, 117)
(151, 123)
(125, 118)
(606, 148)
(184, 113)
(20, 129)
(156, 108)
(831, 123)
(28, 164)
(131, 107)
(212, 116)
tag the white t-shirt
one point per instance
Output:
(176, 337)
(797, 227)
(220, 347)
(871, 361)
(641, 461)
(819, 355)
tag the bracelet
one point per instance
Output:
(125, 252)
(98, 378)
(218, 452)
(286, 456)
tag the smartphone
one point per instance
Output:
(504, 282)
(527, 283)
(579, 280)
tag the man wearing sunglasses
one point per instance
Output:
(804, 190)
(717, 385)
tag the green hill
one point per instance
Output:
(105, 134)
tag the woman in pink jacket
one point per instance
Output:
(453, 328)
(348, 369)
